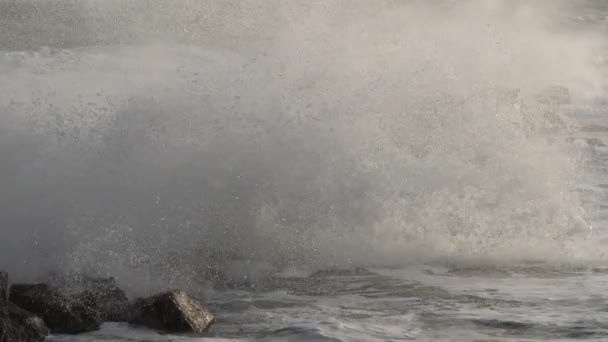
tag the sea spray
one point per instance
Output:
(370, 134)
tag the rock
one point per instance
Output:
(3, 285)
(99, 293)
(105, 296)
(172, 311)
(17, 324)
(110, 310)
(59, 313)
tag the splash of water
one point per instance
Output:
(375, 134)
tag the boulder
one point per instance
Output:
(172, 311)
(104, 295)
(17, 324)
(59, 313)
(3, 285)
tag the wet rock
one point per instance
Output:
(99, 293)
(17, 324)
(105, 296)
(59, 313)
(3, 285)
(172, 311)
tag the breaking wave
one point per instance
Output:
(363, 134)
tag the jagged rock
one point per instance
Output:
(105, 296)
(99, 293)
(172, 311)
(59, 313)
(18, 325)
(3, 285)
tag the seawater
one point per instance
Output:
(319, 171)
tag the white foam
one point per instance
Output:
(365, 134)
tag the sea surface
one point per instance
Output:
(319, 171)
(526, 303)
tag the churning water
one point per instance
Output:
(321, 170)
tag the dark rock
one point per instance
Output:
(3, 285)
(110, 310)
(172, 311)
(105, 296)
(99, 293)
(19, 325)
(59, 313)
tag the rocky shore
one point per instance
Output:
(30, 312)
